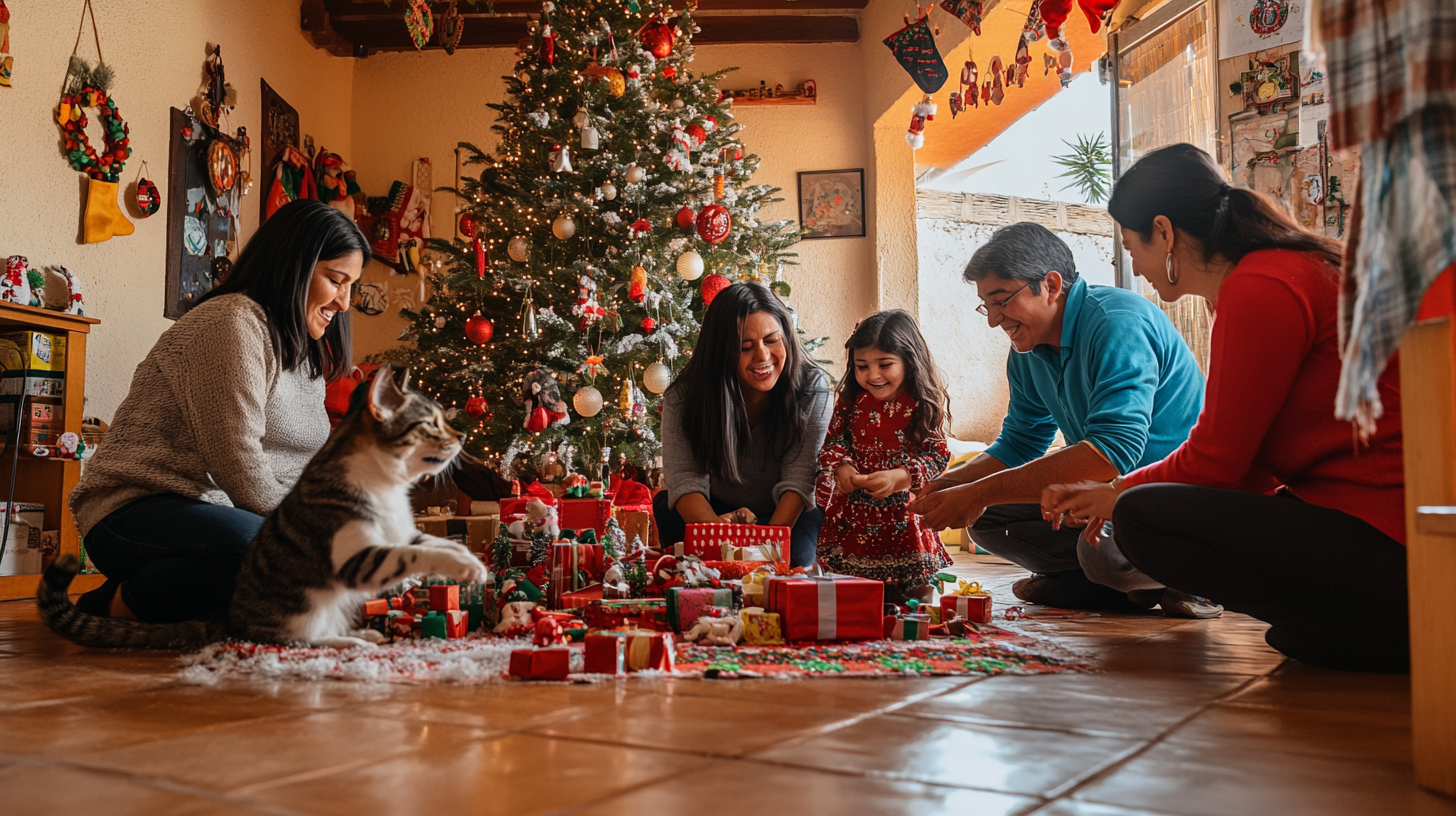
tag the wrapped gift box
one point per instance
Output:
(761, 628)
(720, 541)
(479, 532)
(969, 602)
(444, 597)
(549, 663)
(827, 607)
(908, 627)
(629, 650)
(606, 653)
(582, 598)
(572, 566)
(432, 625)
(685, 606)
(644, 613)
(585, 514)
(457, 623)
(637, 523)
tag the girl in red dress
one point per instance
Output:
(886, 440)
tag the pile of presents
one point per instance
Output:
(724, 585)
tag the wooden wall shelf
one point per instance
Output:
(44, 480)
(750, 101)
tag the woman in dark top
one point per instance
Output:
(743, 423)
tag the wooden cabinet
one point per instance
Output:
(44, 480)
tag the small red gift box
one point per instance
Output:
(444, 597)
(969, 602)
(572, 567)
(644, 613)
(584, 514)
(721, 541)
(606, 653)
(685, 606)
(631, 650)
(552, 663)
(457, 623)
(405, 626)
(827, 607)
(376, 607)
(581, 599)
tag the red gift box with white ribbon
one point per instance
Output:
(572, 567)
(827, 607)
(968, 602)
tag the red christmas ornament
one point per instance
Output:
(697, 134)
(712, 285)
(481, 259)
(714, 223)
(668, 72)
(686, 217)
(657, 37)
(641, 227)
(147, 198)
(477, 408)
(468, 224)
(737, 154)
(479, 329)
(648, 325)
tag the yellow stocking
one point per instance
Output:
(103, 216)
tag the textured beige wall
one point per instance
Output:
(157, 48)
(411, 105)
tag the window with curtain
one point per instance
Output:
(1166, 95)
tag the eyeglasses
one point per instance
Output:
(985, 311)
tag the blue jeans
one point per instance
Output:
(173, 558)
(803, 539)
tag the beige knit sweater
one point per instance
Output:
(211, 416)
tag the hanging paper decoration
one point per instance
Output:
(712, 285)
(482, 259)
(923, 112)
(967, 11)
(148, 198)
(593, 367)
(451, 28)
(714, 223)
(914, 48)
(657, 377)
(637, 290)
(690, 265)
(419, 22)
(519, 249)
(657, 36)
(478, 408)
(479, 329)
(587, 401)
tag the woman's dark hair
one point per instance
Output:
(714, 418)
(895, 332)
(275, 269)
(1182, 183)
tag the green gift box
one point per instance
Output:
(432, 625)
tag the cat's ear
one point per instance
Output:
(386, 394)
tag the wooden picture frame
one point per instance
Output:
(199, 221)
(280, 130)
(832, 204)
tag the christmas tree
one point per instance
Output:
(617, 183)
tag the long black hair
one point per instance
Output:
(1184, 184)
(714, 418)
(275, 269)
(896, 332)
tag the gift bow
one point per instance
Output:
(970, 588)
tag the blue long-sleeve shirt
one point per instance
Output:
(1122, 380)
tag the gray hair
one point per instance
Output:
(1025, 251)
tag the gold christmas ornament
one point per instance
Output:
(690, 265)
(635, 174)
(563, 227)
(587, 402)
(519, 249)
(609, 191)
(657, 377)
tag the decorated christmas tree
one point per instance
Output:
(616, 205)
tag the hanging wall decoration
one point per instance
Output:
(280, 131)
(969, 12)
(419, 22)
(85, 87)
(6, 61)
(914, 48)
(451, 28)
(148, 199)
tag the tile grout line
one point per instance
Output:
(1099, 772)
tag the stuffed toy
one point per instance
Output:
(586, 306)
(542, 397)
(715, 631)
(515, 618)
(337, 186)
(540, 518)
(21, 285)
(73, 291)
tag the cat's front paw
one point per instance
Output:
(462, 565)
(371, 635)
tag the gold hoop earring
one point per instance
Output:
(1168, 267)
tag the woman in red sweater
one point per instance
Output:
(1272, 507)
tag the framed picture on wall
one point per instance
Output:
(831, 203)
(199, 221)
(280, 132)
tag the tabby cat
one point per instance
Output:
(341, 535)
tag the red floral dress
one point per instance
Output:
(878, 538)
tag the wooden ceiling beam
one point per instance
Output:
(338, 9)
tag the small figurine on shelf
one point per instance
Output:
(73, 304)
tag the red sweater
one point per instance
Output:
(1268, 412)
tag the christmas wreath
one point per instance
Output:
(72, 116)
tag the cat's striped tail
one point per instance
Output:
(63, 618)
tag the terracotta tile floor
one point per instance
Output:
(1184, 717)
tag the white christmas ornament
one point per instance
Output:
(657, 377)
(519, 249)
(690, 265)
(635, 174)
(587, 401)
(589, 138)
(563, 227)
(609, 191)
(561, 160)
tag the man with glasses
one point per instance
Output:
(1105, 367)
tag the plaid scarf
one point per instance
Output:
(1392, 74)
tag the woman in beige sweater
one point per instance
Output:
(221, 417)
